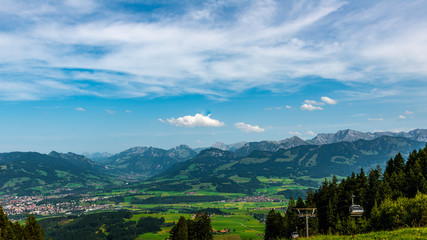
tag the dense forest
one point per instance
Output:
(105, 225)
(393, 198)
(31, 230)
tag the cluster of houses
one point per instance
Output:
(259, 198)
(22, 205)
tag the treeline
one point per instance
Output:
(176, 199)
(391, 199)
(102, 226)
(31, 230)
(198, 229)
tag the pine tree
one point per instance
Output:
(6, 232)
(202, 226)
(313, 222)
(180, 230)
(32, 229)
(274, 226)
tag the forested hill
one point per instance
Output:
(308, 160)
(143, 162)
(391, 199)
(35, 173)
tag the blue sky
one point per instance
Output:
(87, 75)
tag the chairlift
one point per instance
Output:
(355, 210)
(295, 235)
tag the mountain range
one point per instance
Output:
(144, 162)
(326, 154)
(304, 161)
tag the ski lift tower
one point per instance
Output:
(306, 213)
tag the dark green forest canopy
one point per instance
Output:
(31, 230)
(106, 225)
(394, 198)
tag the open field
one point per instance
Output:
(242, 225)
(237, 217)
(236, 214)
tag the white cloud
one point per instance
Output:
(197, 120)
(248, 128)
(402, 116)
(407, 112)
(311, 133)
(295, 133)
(110, 111)
(161, 120)
(312, 102)
(128, 111)
(288, 107)
(80, 109)
(309, 107)
(375, 119)
(328, 100)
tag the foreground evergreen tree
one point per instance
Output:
(33, 231)
(274, 226)
(180, 230)
(391, 199)
(198, 229)
(15, 231)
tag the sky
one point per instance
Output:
(104, 76)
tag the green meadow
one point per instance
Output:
(236, 214)
(406, 233)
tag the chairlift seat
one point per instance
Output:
(356, 210)
(295, 235)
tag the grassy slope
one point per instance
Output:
(406, 233)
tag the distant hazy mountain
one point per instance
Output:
(270, 146)
(417, 134)
(97, 156)
(182, 153)
(35, 173)
(347, 135)
(147, 161)
(352, 135)
(229, 147)
(220, 167)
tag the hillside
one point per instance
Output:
(144, 162)
(35, 173)
(227, 169)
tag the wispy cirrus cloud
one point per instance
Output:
(92, 48)
(248, 128)
(376, 119)
(198, 120)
